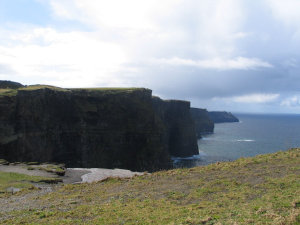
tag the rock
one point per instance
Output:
(3, 162)
(222, 117)
(13, 190)
(179, 128)
(97, 174)
(203, 123)
(96, 128)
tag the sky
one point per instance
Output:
(233, 55)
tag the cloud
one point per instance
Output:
(209, 27)
(293, 101)
(62, 58)
(6, 69)
(131, 14)
(236, 51)
(240, 63)
(253, 98)
(287, 11)
(290, 63)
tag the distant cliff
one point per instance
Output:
(203, 123)
(108, 127)
(222, 117)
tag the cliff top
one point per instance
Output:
(9, 88)
(261, 190)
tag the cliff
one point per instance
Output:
(108, 127)
(179, 125)
(222, 117)
(203, 123)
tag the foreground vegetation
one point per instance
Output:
(10, 180)
(260, 190)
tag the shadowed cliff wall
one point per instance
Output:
(203, 123)
(108, 128)
(179, 125)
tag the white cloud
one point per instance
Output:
(65, 59)
(124, 33)
(252, 98)
(288, 11)
(131, 14)
(240, 63)
(158, 25)
(291, 101)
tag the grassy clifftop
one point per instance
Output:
(7, 91)
(259, 190)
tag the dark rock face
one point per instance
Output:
(222, 117)
(179, 126)
(203, 123)
(95, 128)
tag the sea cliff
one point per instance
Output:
(222, 117)
(203, 123)
(104, 127)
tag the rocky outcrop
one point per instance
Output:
(107, 128)
(222, 117)
(203, 123)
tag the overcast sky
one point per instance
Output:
(235, 55)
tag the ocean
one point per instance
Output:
(255, 134)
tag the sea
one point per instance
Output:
(255, 134)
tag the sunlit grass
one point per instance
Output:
(22, 181)
(260, 190)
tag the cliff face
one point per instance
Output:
(180, 130)
(203, 123)
(222, 117)
(108, 128)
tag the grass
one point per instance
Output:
(109, 90)
(58, 169)
(22, 181)
(39, 86)
(261, 190)
(8, 92)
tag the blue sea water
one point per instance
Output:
(255, 134)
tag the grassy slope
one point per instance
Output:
(16, 180)
(260, 190)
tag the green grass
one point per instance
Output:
(109, 90)
(16, 180)
(106, 90)
(8, 92)
(51, 168)
(260, 190)
(40, 86)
